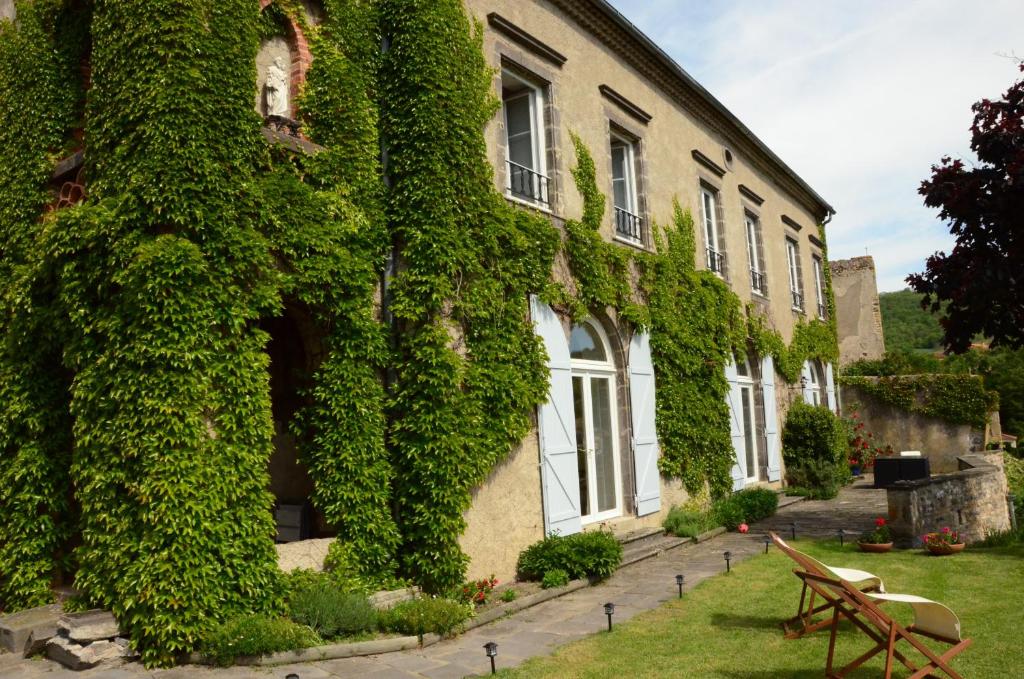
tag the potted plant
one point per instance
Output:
(877, 540)
(946, 541)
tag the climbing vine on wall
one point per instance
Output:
(37, 110)
(470, 369)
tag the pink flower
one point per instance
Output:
(945, 529)
(879, 522)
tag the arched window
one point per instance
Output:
(596, 419)
(814, 383)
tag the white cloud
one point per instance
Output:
(859, 98)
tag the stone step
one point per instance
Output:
(26, 632)
(787, 500)
(637, 535)
(646, 549)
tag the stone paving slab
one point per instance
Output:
(542, 629)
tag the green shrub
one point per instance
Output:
(814, 448)
(686, 523)
(757, 503)
(330, 612)
(815, 479)
(425, 616)
(253, 635)
(556, 577)
(595, 554)
(509, 595)
(728, 512)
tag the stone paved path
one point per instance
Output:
(543, 628)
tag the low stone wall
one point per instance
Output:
(971, 501)
(941, 442)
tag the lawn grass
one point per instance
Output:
(728, 626)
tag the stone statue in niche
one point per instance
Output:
(276, 89)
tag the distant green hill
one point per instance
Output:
(906, 325)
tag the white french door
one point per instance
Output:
(747, 420)
(597, 446)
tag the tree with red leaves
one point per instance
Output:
(979, 286)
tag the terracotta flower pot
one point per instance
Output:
(942, 549)
(875, 548)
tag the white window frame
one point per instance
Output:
(709, 212)
(792, 259)
(535, 95)
(814, 385)
(819, 283)
(747, 382)
(629, 166)
(602, 370)
(752, 224)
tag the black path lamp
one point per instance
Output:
(728, 558)
(609, 610)
(679, 583)
(792, 529)
(291, 676)
(842, 535)
(491, 649)
(767, 541)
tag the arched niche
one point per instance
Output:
(284, 52)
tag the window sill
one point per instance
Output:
(639, 245)
(759, 294)
(798, 310)
(539, 207)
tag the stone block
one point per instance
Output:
(79, 657)
(26, 632)
(89, 626)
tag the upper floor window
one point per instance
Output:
(819, 286)
(523, 104)
(624, 190)
(712, 227)
(755, 255)
(795, 285)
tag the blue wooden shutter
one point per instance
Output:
(771, 418)
(556, 422)
(830, 388)
(645, 433)
(735, 427)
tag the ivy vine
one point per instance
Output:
(957, 399)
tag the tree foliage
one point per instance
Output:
(981, 279)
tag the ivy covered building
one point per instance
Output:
(431, 279)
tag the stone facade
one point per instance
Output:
(7, 9)
(858, 314)
(971, 501)
(596, 77)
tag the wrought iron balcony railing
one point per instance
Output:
(798, 300)
(526, 184)
(628, 226)
(716, 261)
(757, 282)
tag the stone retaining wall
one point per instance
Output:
(971, 501)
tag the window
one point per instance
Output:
(814, 382)
(755, 255)
(523, 105)
(709, 210)
(624, 194)
(819, 286)
(795, 285)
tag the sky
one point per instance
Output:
(859, 98)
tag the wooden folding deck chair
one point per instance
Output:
(931, 619)
(804, 621)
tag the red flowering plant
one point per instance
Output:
(879, 536)
(862, 446)
(946, 536)
(476, 591)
